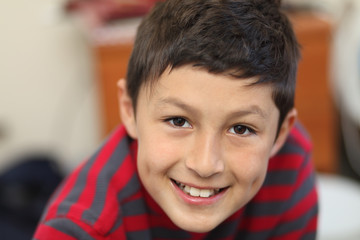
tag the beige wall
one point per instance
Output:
(48, 96)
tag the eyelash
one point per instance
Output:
(171, 122)
(248, 130)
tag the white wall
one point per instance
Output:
(332, 6)
(48, 98)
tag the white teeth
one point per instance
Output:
(186, 189)
(206, 192)
(195, 192)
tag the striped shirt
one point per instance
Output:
(104, 199)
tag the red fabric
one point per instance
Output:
(111, 207)
(46, 232)
(69, 184)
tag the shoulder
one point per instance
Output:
(291, 166)
(286, 204)
(298, 141)
(294, 154)
(88, 201)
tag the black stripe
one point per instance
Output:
(309, 236)
(279, 207)
(285, 228)
(291, 147)
(165, 233)
(303, 190)
(260, 235)
(78, 188)
(302, 130)
(143, 235)
(280, 177)
(70, 228)
(265, 209)
(102, 182)
(134, 208)
(132, 187)
(297, 224)
(224, 230)
(117, 224)
(54, 196)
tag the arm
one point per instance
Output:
(69, 229)
(299, 221)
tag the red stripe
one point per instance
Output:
(87, 196)
(302, 207)
(235, 216)
(294, 235)
(198, 236)
(274, 193)
(310, 228)
(119, 233)
(304, 174)
(283, 192)
(161, 221)
(70, 182)
(136, 223)
(303, 141)
(111, 206)
(158, 217)
(226, 238)
(134, 197)
(45, 232)
(134, 148)
(255, 224)
(91, 231)
(286, 162)
(312, 225)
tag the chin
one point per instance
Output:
(197, 229)
(196, 226)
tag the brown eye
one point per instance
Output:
(238, 129)
(242, 130)
(179, 122)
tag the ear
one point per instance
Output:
(127, 113)
(284, 131)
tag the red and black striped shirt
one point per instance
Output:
(104, 199)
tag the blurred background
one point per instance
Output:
(59, 64)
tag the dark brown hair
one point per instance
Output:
(243, 38)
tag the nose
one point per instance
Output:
(205, 158)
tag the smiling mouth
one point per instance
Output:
(196, 192)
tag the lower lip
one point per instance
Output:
(198, 201)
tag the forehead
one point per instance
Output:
(180, 78)
(197, 87)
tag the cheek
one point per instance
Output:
(251, 167)
(157, 154)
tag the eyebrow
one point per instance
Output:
(177, 103)
(251, 110)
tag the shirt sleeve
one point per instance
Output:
(65, 229)
(299, 219)
(70, 229)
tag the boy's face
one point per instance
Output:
(204, 143)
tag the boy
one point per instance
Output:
(208, 149)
